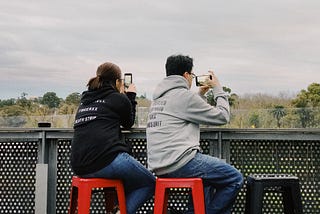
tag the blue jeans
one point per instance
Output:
(138, 181)
(221, 182)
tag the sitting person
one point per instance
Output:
(173, 134)
(97, 149)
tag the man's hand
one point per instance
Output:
(210, 83)
(204, 89)
(214, 80)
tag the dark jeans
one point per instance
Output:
(139, 182)
(221, 181)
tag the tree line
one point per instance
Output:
(247, 111)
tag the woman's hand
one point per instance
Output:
(131, 88)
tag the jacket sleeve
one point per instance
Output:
(127, 110)
(199, 111)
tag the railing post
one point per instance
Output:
(52, 175)
(46, 176)
(220, 144)
(41, 188)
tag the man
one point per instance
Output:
(173, 134)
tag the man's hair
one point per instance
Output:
(178, 65)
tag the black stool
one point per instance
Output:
(288, 185)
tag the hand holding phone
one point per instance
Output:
(214, 81)
(131, 88)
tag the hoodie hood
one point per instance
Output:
(169, 83)
(93, 95)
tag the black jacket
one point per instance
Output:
(97, 134)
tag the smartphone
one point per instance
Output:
(127, 79)
(201, 80)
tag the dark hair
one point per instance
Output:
(106, 73)
(178, 65)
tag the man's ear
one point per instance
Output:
(186, 75)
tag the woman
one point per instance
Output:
(97, 149)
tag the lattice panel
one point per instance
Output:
(250, 157)
(17, 176)
(205, 146)
(18, 161)
(64, 176)
(298, 158)
(139, 149)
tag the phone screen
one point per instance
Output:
(127, 79)
(201, 80)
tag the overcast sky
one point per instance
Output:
(268, 46)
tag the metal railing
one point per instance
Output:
(35, 174)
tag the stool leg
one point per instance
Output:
(121, 199)
(254, 201)
(84, 199)
(160, 200)
(287, 200)
(198, 199)
(73, 200)
(293, 203)
(248, 199)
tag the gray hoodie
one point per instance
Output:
(173, 131)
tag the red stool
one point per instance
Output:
(81, 195)
(161, 193)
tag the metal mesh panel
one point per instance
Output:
(205, 146)
(17, 176)
(18, 159)
(139, 151)
(64, 176)
(177, 200)
(299, 158)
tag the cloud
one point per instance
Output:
(268, 46)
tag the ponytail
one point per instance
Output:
(107, 73)
(94, 83)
